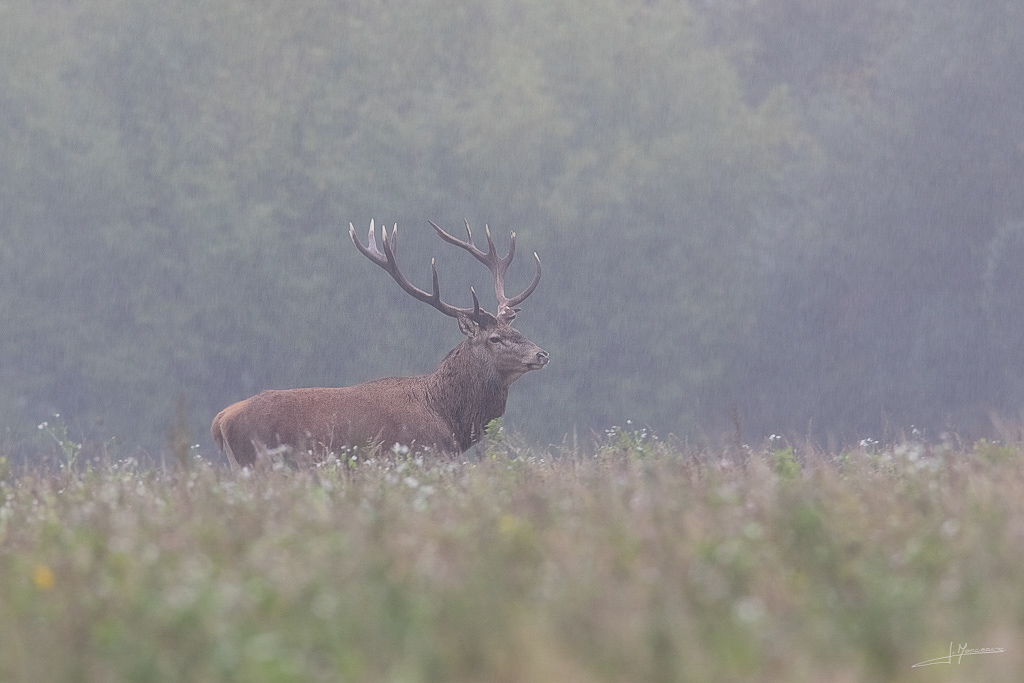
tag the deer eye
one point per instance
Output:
(494, 339)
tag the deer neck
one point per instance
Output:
(467, 395)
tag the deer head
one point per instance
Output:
(476, 323)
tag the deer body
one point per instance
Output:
(445, 411)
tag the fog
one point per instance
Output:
(800, 217)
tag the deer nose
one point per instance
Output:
(542, 357)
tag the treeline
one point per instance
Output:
(805, 215)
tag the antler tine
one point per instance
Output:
(490, 246)
(492, 254)
(520, 298)
(511, 244)
(386, 260)
(370, 251)
(507, 307)
(496, 264)
(467, 244)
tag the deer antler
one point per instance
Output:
(506, 307)
(386, 260)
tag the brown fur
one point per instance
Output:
(444, 412)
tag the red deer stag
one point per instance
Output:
(445, 411)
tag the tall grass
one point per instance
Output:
(637, 561)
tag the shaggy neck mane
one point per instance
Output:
(467, 394)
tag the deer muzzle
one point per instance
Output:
(540, 359)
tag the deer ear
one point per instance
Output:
(472, 323)
(467, 326)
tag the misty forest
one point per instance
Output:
(799, 217)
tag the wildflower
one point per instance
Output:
(512, 526)
(42, 577)
(749, 609)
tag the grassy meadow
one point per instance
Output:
(631, 560)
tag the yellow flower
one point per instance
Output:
(42, 577)
(514, 527)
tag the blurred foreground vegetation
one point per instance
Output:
(806, 213)
(637, 560)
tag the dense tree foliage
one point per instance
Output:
(796, 212)
(905, 305)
